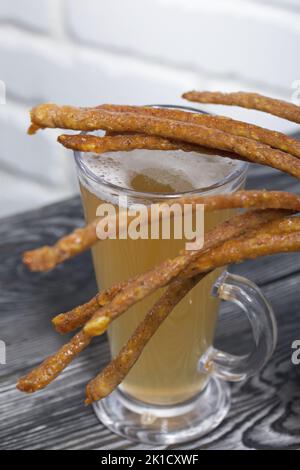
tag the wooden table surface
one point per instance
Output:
(265, 411)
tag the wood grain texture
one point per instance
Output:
(265, 410)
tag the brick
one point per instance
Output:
(253, 41)
(30, 13)
(75, 75)
(28, 65)
(82, 77)
(37, 158)
(121, 80)
(281, 3)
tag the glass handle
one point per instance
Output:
(259, 312)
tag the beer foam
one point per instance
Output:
(167, 172)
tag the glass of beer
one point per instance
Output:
(177, 390)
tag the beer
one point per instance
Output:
(166, 373)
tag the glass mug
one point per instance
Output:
(178, 388)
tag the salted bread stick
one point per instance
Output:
(269, 137)
(48, 257)
(89, 119)
(280, 108)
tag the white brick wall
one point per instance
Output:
(48, 163)
(291, 4)
(221, 37)
(139, 51)
(32, 14)
(82, 76)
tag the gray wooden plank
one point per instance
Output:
(265, 410)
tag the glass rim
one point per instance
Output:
(235, 175)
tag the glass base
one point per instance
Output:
(164, 425)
